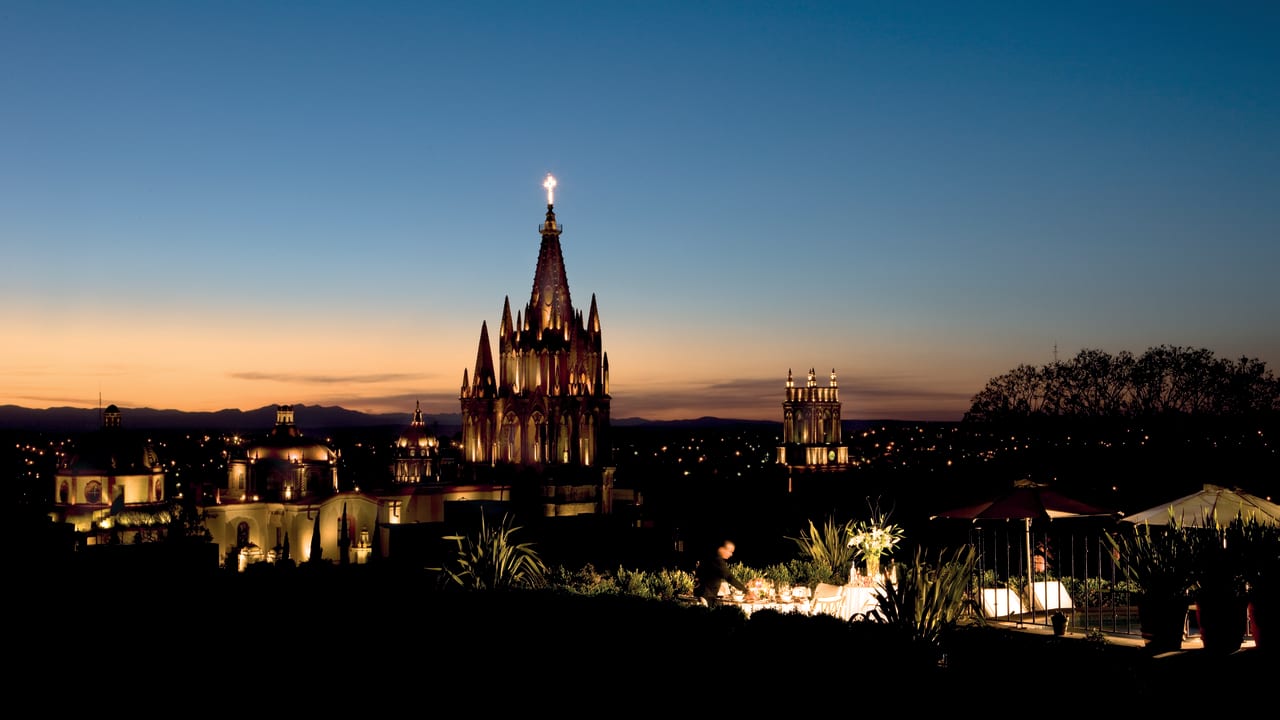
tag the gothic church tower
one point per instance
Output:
(546, 400)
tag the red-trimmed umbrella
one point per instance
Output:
(1027, 501)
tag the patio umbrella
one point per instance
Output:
(1026, 501)
(1212, 502)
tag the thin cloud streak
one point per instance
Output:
(65, 401)
(329, 379)
(896, 397)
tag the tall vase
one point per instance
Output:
(873, 566)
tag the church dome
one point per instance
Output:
(416, 436)
(283, 466)
(286, 443)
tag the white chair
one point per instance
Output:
(1001, 602)
(827, 599)
(1050, 595)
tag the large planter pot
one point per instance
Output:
(1223, 619)
(1262, 614)
(1162, 621)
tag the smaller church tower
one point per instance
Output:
(417, 452)
(811, 425)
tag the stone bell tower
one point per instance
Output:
(811, 424)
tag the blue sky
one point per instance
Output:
(232, 204)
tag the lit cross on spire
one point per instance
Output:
(550, 185)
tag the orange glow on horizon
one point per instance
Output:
(377, 366)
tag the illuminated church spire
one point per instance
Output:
(550, 399)
(549, 306)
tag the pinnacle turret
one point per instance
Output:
(505, 330)
(485, 382)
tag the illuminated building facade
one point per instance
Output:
(545, 403)
(283, 466)
(282, 499)
(112, 472)
(281, 491)
(811, 425)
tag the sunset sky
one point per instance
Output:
(208, 205)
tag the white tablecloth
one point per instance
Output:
(858, 601)
(789, 607)
(855, 601)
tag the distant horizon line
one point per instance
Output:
(409, 413)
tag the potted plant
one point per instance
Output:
(1160, 561)
(1220, 585)
(1260, 559)
(1059, 623)
(779, 577)
(873, 538)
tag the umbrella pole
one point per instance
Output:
(1030, 585)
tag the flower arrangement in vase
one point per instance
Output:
(874, 537)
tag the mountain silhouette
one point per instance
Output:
(69, 419)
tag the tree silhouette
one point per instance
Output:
(317, 551)
(1164, 381)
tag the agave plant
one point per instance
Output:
(1260, 553)
(926, 599)
(828, 547)
(1159, 559)
(491, 560)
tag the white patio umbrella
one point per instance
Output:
(1214, 502)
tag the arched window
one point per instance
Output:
(64, 492)
(242, 534)
(538, 431)
(564, 440)
(586, 440)
(511, 438)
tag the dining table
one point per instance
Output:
(750, 606)
(856, 603)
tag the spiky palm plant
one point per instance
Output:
(1160, 560)
(927, 599)
(491, 560)
(828, 547)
